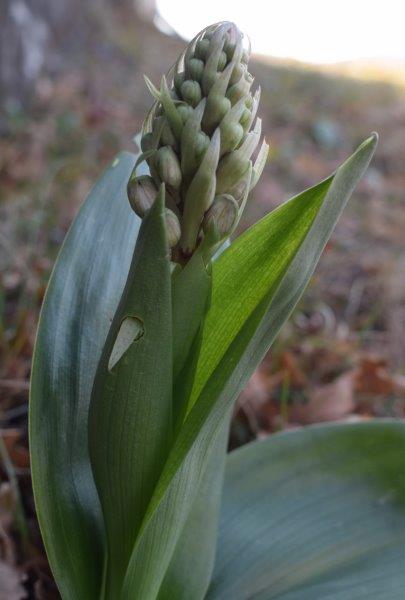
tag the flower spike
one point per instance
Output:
(198, 140)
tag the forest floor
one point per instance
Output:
(340, 356)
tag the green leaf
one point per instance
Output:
(191, 296)
(81, 299)
(273, 261)
(130, 421)
(256, 284)
(190, 569)
(315, 513)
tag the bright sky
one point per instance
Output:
(317, 31)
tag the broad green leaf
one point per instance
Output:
(191, 294)
(195, 550)
(259, 261)
(198, 537)
(130, 420)
(293, 240)
(315, 513)
(80, 301)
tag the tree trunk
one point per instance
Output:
(39, 34)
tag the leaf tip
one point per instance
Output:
(372, 140)
(160, 198)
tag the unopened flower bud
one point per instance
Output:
(241, 189)
(201, 144)
(237, 74)
(245, 118)
(229, 48)
(201, 49)
(245, 56)
(249, 102)
(259, 164)
(167, 138)
(217, 107)
(197, 139)
(209, 78)
(165, 97)
(173, 230)
(147, 142)
(233, 166)
(189, 141)
(229, 126)
(142, 193)
(231, 135)
(223, 59)
(191, 92)
(222, 214)
(200, 195)
(213, 57)
(184, 111)
(196, 68)
(178, 81)
(238, 90)
(168, 167)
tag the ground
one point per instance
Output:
(341, 355)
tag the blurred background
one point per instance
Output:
(72, 96)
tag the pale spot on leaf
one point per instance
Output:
(131, 330)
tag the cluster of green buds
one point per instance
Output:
(198, 140)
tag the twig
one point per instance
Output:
(21, 520)
(15, 384)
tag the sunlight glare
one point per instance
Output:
(312, 31)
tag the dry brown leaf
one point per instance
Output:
(399, 385)
(10, 583)
(44, 586)
(258, 389)
(292, 370)
(7, 507)
(19, 455)
(329, 402)
(372, 377)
